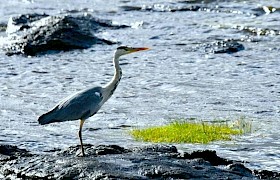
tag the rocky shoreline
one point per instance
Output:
(115, 162)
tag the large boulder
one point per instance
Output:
(115, 162)
(33, 34)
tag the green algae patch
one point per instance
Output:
(187, 132)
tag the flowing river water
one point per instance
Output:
(177, 78)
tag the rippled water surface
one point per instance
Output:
(177, 78)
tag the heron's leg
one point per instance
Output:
(80, 136)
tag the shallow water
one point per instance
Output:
(175, 79)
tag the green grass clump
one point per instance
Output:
(187, 132)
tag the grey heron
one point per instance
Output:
(86, 103)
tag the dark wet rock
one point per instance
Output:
(22, 22)
(194, 7)
(156, 148)
(8, 152)
(189, 8)
(115, 162)
(34, 34)
(264, 174)
(258, 31)
(225, 46)
(131, 8)
(240, 169)
(209, 156)
(160, 8)
(173, 8)
(3, 27)
(264, 10)
(91, 150)
(123, 126)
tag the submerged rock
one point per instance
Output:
(258, 31)
(34, 34)
(115, 162)
(160, 8)
(3, 27)
(225, 46)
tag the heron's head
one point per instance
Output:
(122, 50)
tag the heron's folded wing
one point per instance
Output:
(80, 105)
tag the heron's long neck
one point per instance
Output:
(112, 85)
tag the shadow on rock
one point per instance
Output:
(8, 152)
(33, 34)
(115, 162)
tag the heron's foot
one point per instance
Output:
(80, 153)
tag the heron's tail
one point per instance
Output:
(47, 117)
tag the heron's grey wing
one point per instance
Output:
(80, 105)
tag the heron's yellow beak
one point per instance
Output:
(132, 50)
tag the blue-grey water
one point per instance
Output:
(175, 79)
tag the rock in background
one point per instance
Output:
(33, 34)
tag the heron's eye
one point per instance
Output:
(122, 47)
